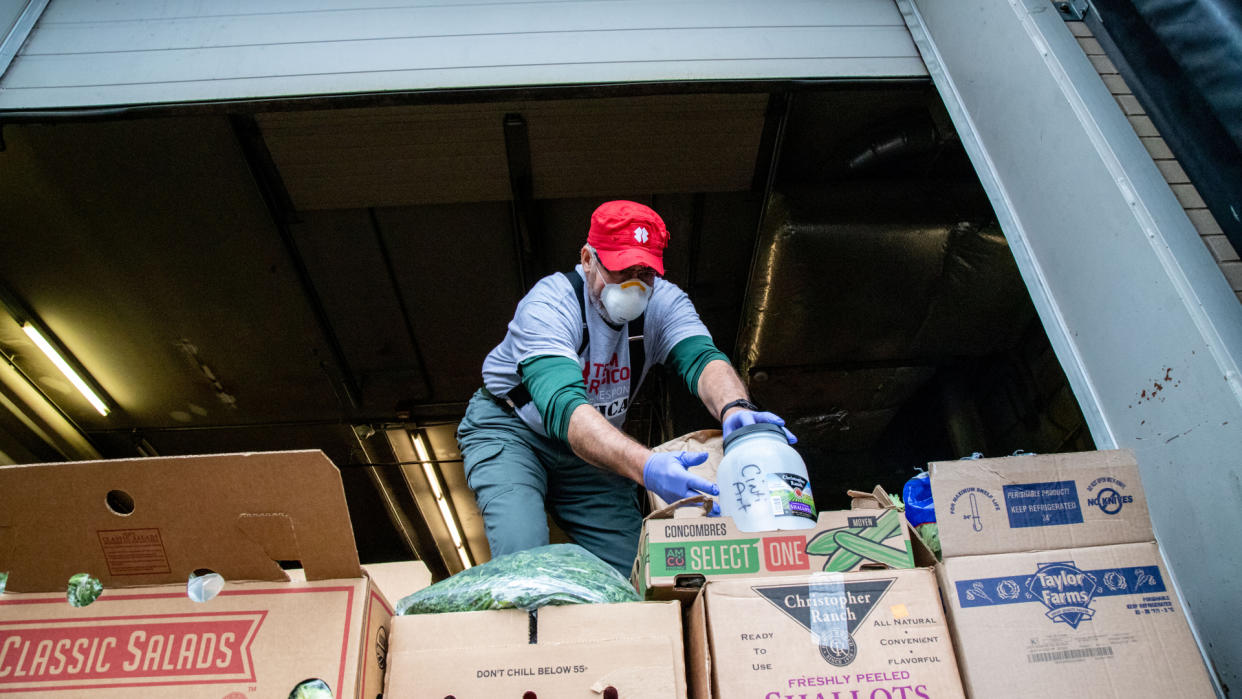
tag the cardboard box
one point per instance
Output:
(1053, 583)
(680, 547)
(1101, 621)
(564, 652)
(859, 635)
(142, 526)
(1039, 502)
(398, 579)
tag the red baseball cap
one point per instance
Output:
(626, 233)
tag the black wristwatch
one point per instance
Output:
(739, 403)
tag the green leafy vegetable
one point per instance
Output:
(930, 534)
(311, 689)
(83, 590)
(4, 578)
(548, 575)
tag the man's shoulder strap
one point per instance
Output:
(575, 280)
(638, 349)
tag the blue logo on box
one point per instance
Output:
(1064, 589)
(1109, 497)
(1042, 504)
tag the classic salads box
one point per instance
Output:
(1053, 583)
(142, 527)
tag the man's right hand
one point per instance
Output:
(666, 475)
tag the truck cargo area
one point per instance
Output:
(330, 273)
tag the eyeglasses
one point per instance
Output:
(642, 273)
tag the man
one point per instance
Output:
(545, 431)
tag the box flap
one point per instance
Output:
(1039, 502)
(132, 522)
(693, 506)
(398, 579)
(877, 499)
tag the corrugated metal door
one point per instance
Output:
(85, 54)
(1142, 319)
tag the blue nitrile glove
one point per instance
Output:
(665, 475)
(741, 418)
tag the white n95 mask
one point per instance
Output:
(625, 301)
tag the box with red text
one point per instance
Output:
(142, 528)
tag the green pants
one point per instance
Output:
(518, 477)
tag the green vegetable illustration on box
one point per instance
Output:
(847, 547)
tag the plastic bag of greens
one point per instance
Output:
(548, 575)
(83, 590)
(311, 689)
(930, 534)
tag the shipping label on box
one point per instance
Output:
(564, 651)
(674, 551)
(1098, 621)
(1039, 502)
(865, 634)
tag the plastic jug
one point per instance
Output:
(763, 482)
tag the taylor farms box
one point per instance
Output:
(141, 527)
(680, 547)
(1053, 583)
(567, 652)
(859, 635)
(1095, 621)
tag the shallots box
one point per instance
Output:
(864, 634)
(1053, 583)
(680, 547)
(568, 652)
(142, 527)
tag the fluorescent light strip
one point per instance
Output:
(42, 343)
(420, 447)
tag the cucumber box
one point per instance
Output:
(681, 548)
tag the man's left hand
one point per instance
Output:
(741, 418)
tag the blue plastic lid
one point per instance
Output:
(918, 496)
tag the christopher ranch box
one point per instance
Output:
(142, 527)
(577, 651)
(1053, 583)
(680, 547)
(860, 635)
